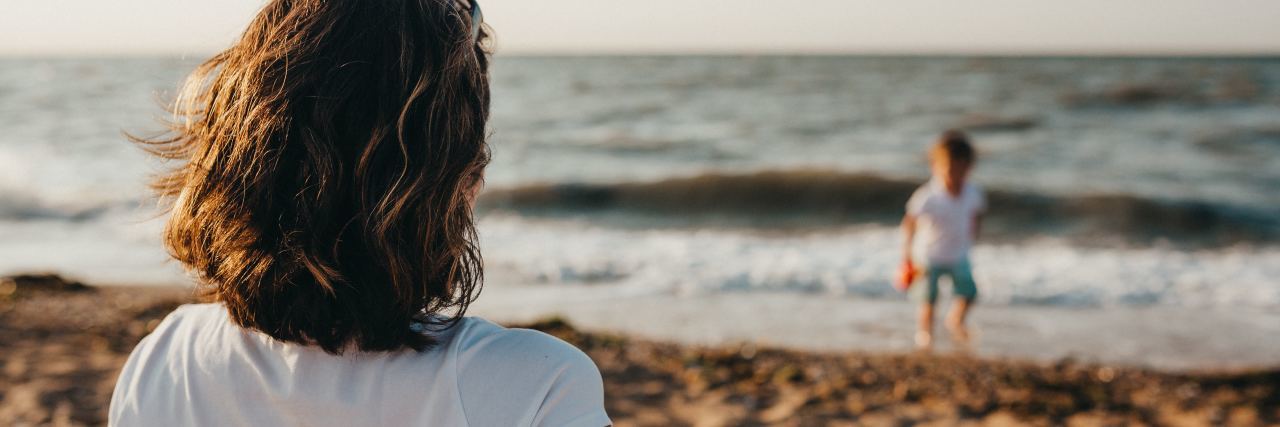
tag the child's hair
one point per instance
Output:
(326, 162)
(954, 145)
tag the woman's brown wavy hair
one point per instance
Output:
(327, 164)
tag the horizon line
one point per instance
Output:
(1083, 54)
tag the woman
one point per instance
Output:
(329, 163)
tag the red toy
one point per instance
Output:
(907, 274)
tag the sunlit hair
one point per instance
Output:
(953, 145)
(327, 161)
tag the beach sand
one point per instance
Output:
(64, 344)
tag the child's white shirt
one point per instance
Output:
(945, 222)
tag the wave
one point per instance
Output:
(18, 207)
(1232, 90)
(804, 199)
(996, 123)
(860, 262)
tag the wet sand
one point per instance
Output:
(63, 346)
(1164, 338)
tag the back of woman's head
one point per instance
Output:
(328, 159)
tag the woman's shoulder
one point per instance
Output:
(558, 382)
(185, 327)
(189, 316)
(480, 340)
(476, 345)
(198, 310)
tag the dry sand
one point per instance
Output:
(61, 347)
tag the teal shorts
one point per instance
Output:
(961, 282)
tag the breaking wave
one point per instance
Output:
(804, 199)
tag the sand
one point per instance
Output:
(62, 346)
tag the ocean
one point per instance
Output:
(1114, 183)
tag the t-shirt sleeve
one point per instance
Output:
(915, 205)
(537, 379)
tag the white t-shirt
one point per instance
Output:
(200, 369)
(946, 221)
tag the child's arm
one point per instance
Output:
(909, 235)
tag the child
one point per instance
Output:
(949, 209)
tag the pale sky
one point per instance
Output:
(1154, 27)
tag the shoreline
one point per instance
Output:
(64, 348)
(1169, 339)
(1178, 340)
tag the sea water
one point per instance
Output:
(1114, 182)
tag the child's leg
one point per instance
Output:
(925, 294)
(924, 326)
(966, 291)
(955, 319)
